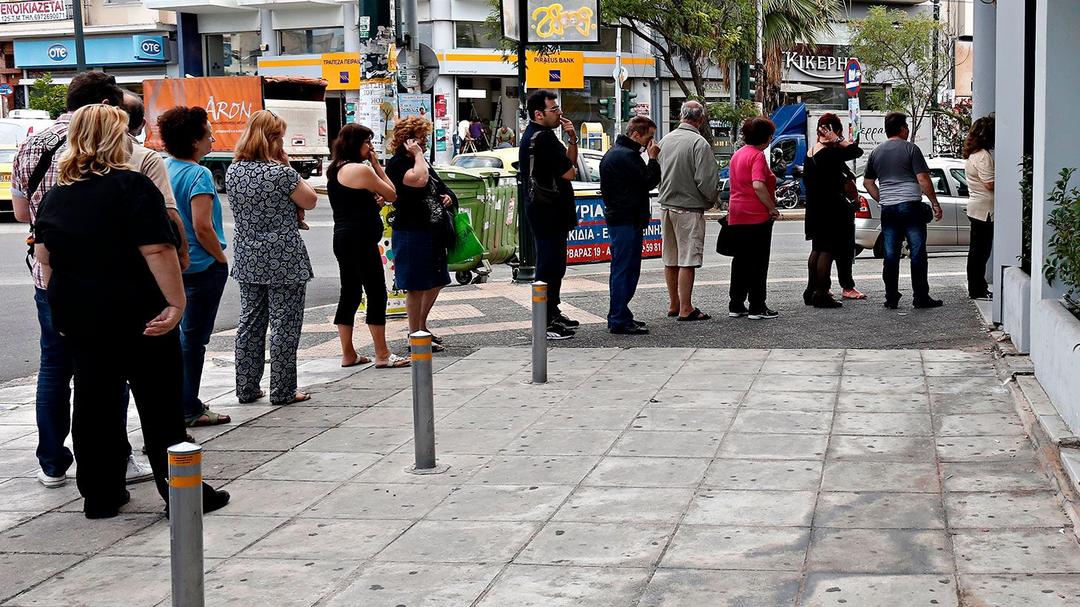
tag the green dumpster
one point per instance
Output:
(489, 197)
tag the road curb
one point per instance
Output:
(785, 215)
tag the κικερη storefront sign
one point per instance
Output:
(38, 10)
(802, 65)
(590, 241)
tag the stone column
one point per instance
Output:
(983, 55)
(267, 34)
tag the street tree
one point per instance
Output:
(44, 95)
(903, 51)
(787, 23)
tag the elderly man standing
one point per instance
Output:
(627, 180)
(687, 188)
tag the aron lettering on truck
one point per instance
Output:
(229, 103)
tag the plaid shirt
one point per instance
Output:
(26, 159)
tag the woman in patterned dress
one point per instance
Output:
(270, 260)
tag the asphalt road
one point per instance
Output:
(858, 325)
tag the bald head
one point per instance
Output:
(692, 113)
(133, 105)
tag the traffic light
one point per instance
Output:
(607, 107)
(628, 105)
(747, 81)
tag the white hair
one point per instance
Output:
(692, 111)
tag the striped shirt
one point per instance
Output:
(26, 160)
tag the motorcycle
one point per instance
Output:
(787, 194)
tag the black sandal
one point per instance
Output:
(695, 315)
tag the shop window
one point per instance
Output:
(232, 54)
(312, 41)
(474, 34)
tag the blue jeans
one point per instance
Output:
(900, 221)
(626, 243)
(53, 409)
(203, 292)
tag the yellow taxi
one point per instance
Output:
(7, 156)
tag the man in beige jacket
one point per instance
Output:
(688, 186)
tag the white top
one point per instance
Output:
(979, 169)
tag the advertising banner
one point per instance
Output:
(590, 241)
(39, 10)
(417, 104)
(229, 103)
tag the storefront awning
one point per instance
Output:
(798, 87)
(196, 6)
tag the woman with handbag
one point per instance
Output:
(357, 194)
(830, 214)
(423, 223)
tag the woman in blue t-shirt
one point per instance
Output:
(186, 134)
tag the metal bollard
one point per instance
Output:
(185, 524)
(423, 405)
(539, 332)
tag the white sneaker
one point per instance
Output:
(138, 471)
(52, 482)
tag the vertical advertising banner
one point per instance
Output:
(417, 104)
(229, 103)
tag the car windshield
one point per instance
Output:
(477, 162)
(7, 155)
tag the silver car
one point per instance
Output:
(952, 233)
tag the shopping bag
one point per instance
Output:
(468, 245)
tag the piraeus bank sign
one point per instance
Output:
(37, 10)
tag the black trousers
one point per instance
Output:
(551, 268)
(360, 268)
(980, 248)
(104, 363)
(750, 266)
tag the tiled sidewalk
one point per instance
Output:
(643, 477)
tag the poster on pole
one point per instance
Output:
(854, 119)
(417, 104)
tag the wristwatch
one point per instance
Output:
(572, 142)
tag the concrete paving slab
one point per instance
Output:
(250, 438)
(952, 404)
(597, 544)
(870, 510)
(310, 466)
(561, 442)
(695, 366)
(394, 469)
(974, 387)
(244, 582)
(790, 475)
(773, 446)
(796, 383)
(979, 424)
(682, 419)
(802, 367)
(229, 465)
(893, 368)
(1015, 475)
(21, 571)
(983, 448)
(11, 519)
(809, 354)
(615, 471)
(1005, 510)
(788, 422)
(305, 417)
(223, 536)
(883, 424)
(879, 355)
(1016, 551)
(540, 398)
(590, 395)
(474, 365)
(884, 384)
(738, 548)
(830, 590)
(534, 470)
(68, 533)
(560, 586)
(379, 501)
(459, 542)
(729, 354)
(273, 498)
(638, 381)
(751, 508)
(501, 503)
(94, 582)
(858, 476)
(653, 354)
(511, 417)
(696, 587)
(918, 402)
(390, 417)
(950, 355)
(667, 444)
(889, 551)
(434, 584)
(28, 495)
(630, 504)
(910, 449)
(1028, 590)
(728, 382)
(355, 440)
(584, 417)
(15, 463)
(327, 539)
(619, 365)
(445, 398)
(959, 369)
(697, 399)
(789, 401)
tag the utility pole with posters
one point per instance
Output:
(80, 40)
(516, 25)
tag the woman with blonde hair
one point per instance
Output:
(270, 260)
(422, 222)
(108, 256)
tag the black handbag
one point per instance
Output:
(726, 239)
(927, 213)
(539, 194)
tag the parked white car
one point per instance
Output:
(952, 233)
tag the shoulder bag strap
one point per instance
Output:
(36, 177)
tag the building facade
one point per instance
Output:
(122, 37)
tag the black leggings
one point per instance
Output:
(360, 267)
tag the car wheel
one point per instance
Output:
(218, 173)
(879, 248)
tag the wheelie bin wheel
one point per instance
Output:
(464, 277)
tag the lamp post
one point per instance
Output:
(80, 41)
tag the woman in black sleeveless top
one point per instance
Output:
(357, 193)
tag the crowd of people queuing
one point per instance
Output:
(129, 250)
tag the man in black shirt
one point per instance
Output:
(627, 181)
(554, 164)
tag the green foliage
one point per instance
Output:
(732, 115)
(1027, 175)
(44, 95)
(899, 49)
(1063, 262)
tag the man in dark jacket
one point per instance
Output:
(550, 221)
(626, 181)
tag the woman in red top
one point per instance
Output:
(751, 213)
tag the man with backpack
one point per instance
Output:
(34, 173)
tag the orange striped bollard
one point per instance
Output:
(186, 525)
(423, 398)
(539, 332)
